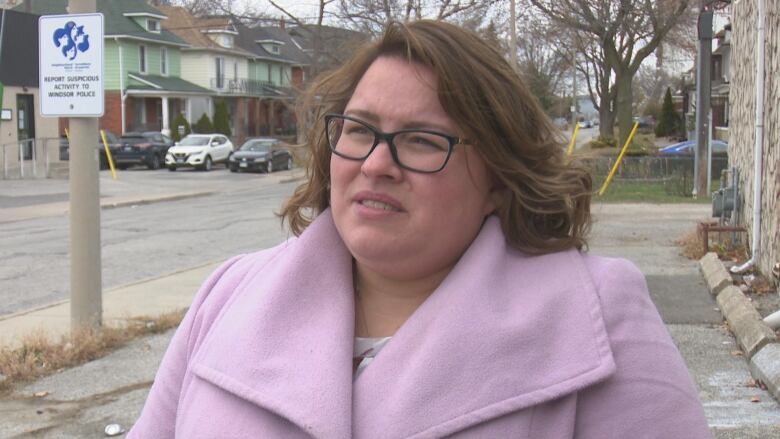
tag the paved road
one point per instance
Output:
(141, 241)
(148, 240)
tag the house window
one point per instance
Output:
(164, 60)
(152, 25)
(269, 73)
(142, 59)
(235, 71)
(220, 70)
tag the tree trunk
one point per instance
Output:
(624, 105)
(606, 123)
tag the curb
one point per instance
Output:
(48, 210)
(751, 332)
(114, 288)
(715, 274)
(109, 204)
(765, 367)
(754, 337)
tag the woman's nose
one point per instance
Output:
(380, 163)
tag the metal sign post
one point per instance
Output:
(71, 85)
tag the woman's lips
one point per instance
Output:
(378, 201)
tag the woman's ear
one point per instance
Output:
(497, 196)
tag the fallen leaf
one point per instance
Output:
(737, 353)
(40, 394)
(751, 383)
(755, 399)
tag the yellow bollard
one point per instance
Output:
(108, 154)
(619, 159)
(573, 138)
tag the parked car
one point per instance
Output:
(261, 154)
(147, 148)
(687, 148)
(585, 123)
(200, 151)
(111, 138)
(644, 122)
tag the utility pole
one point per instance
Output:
(574, 103)
(512, 34)
(86, 306)
(703, 92)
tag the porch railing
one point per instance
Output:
(240, 86)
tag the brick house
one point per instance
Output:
(742, 132)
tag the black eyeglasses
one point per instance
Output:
(416, 150)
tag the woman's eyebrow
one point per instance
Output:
(371, 117)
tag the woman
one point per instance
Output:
(437, 287)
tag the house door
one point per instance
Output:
(25, 117)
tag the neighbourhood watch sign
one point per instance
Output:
(71, 65)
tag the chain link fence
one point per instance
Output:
(675, 172)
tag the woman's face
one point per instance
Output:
(399, 223)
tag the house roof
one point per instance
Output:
(304, 35)
(289, 52)
(116, 22)
(191, 29)
(19, 33)
(163, 83)
(338, 44)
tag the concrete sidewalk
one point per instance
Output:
(150, 297)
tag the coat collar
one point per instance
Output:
(504, 331)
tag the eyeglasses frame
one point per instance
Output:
(388, 137)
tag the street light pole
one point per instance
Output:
(86, 306)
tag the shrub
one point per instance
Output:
(180, 121)
(670, 121)
(204, 125)
(221, 119)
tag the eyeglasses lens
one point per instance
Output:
(417, 150)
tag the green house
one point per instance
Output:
(142, 66)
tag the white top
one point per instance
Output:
(366, 348)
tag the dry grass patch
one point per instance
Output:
(690, 244)
(40, 356)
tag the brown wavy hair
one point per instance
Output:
(545, 202)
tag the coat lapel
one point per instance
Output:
(503, 332)
(285, 340)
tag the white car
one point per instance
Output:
(200, 151)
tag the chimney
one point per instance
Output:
(281, 23)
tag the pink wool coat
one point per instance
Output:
(565, 345)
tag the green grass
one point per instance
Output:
(645, 192)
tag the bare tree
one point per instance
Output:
(628, 31)
(371, 16)
(202, 8)
(598, 79)
(541, 64)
